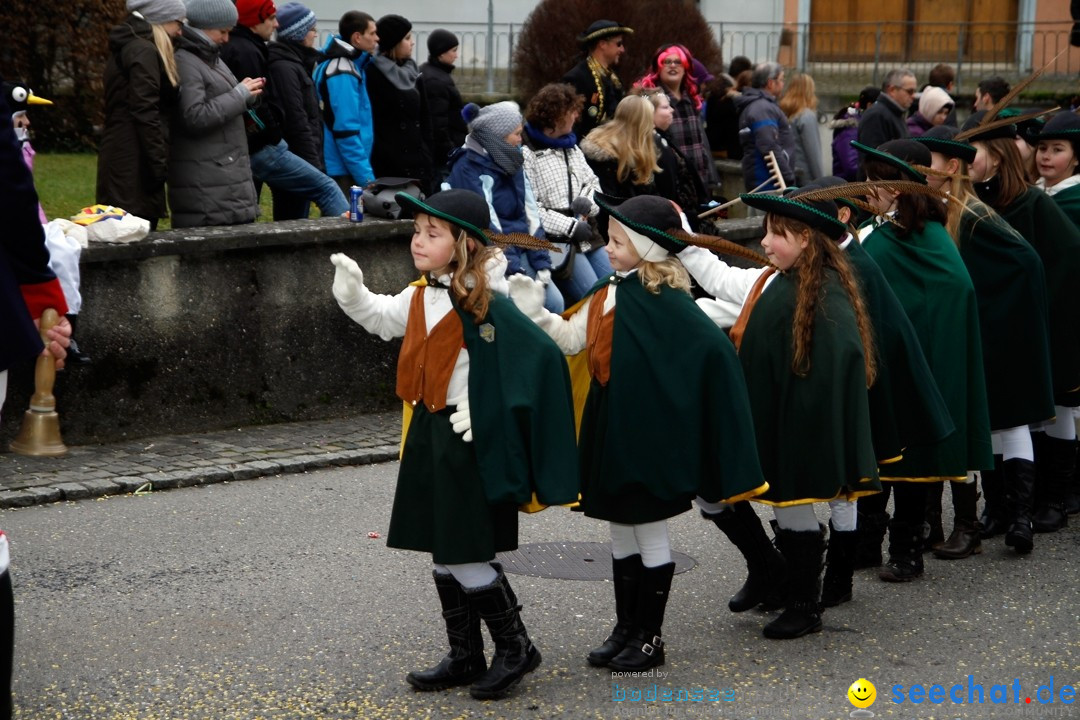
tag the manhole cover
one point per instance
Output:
(571, 561)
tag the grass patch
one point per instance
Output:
(67, 182)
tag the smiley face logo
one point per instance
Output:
(862, 693)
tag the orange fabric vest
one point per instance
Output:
(598, 332)
(737, 330)
(427, 361)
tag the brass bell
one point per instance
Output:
(40, 432)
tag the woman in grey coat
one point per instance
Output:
(209, 170)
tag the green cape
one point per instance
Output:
(1039, 219)
(521, 407)
(928, 276)
(813, 432)
(1010, 286)
(906, 407)
(679, 419)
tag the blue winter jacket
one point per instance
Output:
(347, 128)
(510, 201)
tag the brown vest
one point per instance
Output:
(427, 361)
(598, 332)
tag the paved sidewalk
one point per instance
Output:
(185, 460)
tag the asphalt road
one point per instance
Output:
(267, 600)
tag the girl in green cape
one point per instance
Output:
(490, 422)
(1037, 505)
(666, 419)
(1011, 289)
(921, 262)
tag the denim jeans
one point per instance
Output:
(588, 268)
(281, 170)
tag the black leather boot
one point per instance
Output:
(933, 533)
(765, 565)
(626, 576)
(839, 567)
(964, 540)
(805, 555)
(870, 533)
(1019, 497)
(1055, 461)
(905, 560)
(1072, 500)
(465, 662)
(994, 519)
(645, 649)
(515, 654)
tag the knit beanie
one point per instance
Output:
(392, 29)
(294, 22)
(932, 100)
(211, 14)
(252, 12)
(439, 41)
(157, 12)
(499, 119)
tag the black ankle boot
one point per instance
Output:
(905, 559)
(765, 565)
(626, 576)
(964, 540)
(870, 533)
(465, 662)
(839, 567)
(805, 554)
(1072, 500)
(515, 654)
(1019, 477)
(1055, 461)
(994, 520)
(645, 649)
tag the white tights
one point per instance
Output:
(650, 540)
(799, 518)
(470, 575)
(1013, 443)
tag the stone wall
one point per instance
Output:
(209, 328)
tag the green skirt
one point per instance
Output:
(439, 505)
(630, 503)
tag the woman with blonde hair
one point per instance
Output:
(141, 90)
(622, 152)
(799, 103)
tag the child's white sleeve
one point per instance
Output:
(382, 315)
(721, 312)
(718, 278)
(569, 335)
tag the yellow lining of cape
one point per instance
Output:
(749, 495)
(937, 478)
(891, 460)
(849, 496)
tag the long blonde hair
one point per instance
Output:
(164, 44)
(629, 138)
(962, 199)
(798, 96)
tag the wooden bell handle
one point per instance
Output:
(45, 370)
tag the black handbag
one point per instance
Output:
(379, 200)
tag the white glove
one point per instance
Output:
(528, 295)
(461, 420)
(544, 276)
(348, 279)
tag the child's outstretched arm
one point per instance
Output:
(382, 315)
(569, 335)
(716, 277)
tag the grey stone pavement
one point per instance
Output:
(187, 460)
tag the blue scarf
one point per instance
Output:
(566, 141)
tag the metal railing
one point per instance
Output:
(842, 56)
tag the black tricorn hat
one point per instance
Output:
(1062, 126)
(993, 131)
(900, 154)
(468, 211)
(653, 216)
(602, 29)
(820, 215)
(940, 140)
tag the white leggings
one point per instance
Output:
(799, 518)
(1013, 443)
(470, 575)
(650, 540)
(1062, 427)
